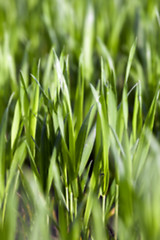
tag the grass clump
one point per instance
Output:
(79, 138)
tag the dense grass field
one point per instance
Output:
(79, 120)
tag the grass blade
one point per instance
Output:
(143, 145)
(15, 124)
(87, 150)
(3, 128)
(33, 114)
(81, 138)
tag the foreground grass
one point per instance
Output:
(79, 151)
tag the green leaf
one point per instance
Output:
(25, 106)
(125, 107)
(52, 165)
(123, 111)
(127, 157)
(135, 113)
(40, 214)
(81, 138)
(143, 145)
(88, 37)
(66, 95)
(112, 107)
(93, 185)
(33, 164)
(34, 113)
(97, 224)
(102, 110)
(106, 55)
(44, 155)
(130, 59)
(79, 98)
(62, 82)
(87, 150)
(3, 127)
(15, 124)
(40, 87)
(17, 161)
(10, 223)
(62, 221)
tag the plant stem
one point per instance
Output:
(103, 207)
(75, 207)
(71, 205)
(116, 213)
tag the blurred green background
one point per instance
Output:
(30, 28)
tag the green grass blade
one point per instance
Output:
(40, 87)
(125, 107)
(9, 226)
(127, 158)
(101, 105)
(44, 155)
(123, 111)
(143, 145)
(62, 221)
(130, 60)
(79, 98)
(81, 138)
(39, 209)
(17, 161)
(87, 150)
(118, 142)
(33, 164)
(24, 104)
(52, 163)
(15, 124)
(62, 82)
(3, 128)
(98, 229)
(34, 112)
(112, 107)
(88, 38)
(24, 85)
(93, 188)
(106, 55)
(65, 92)
(135, 113)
